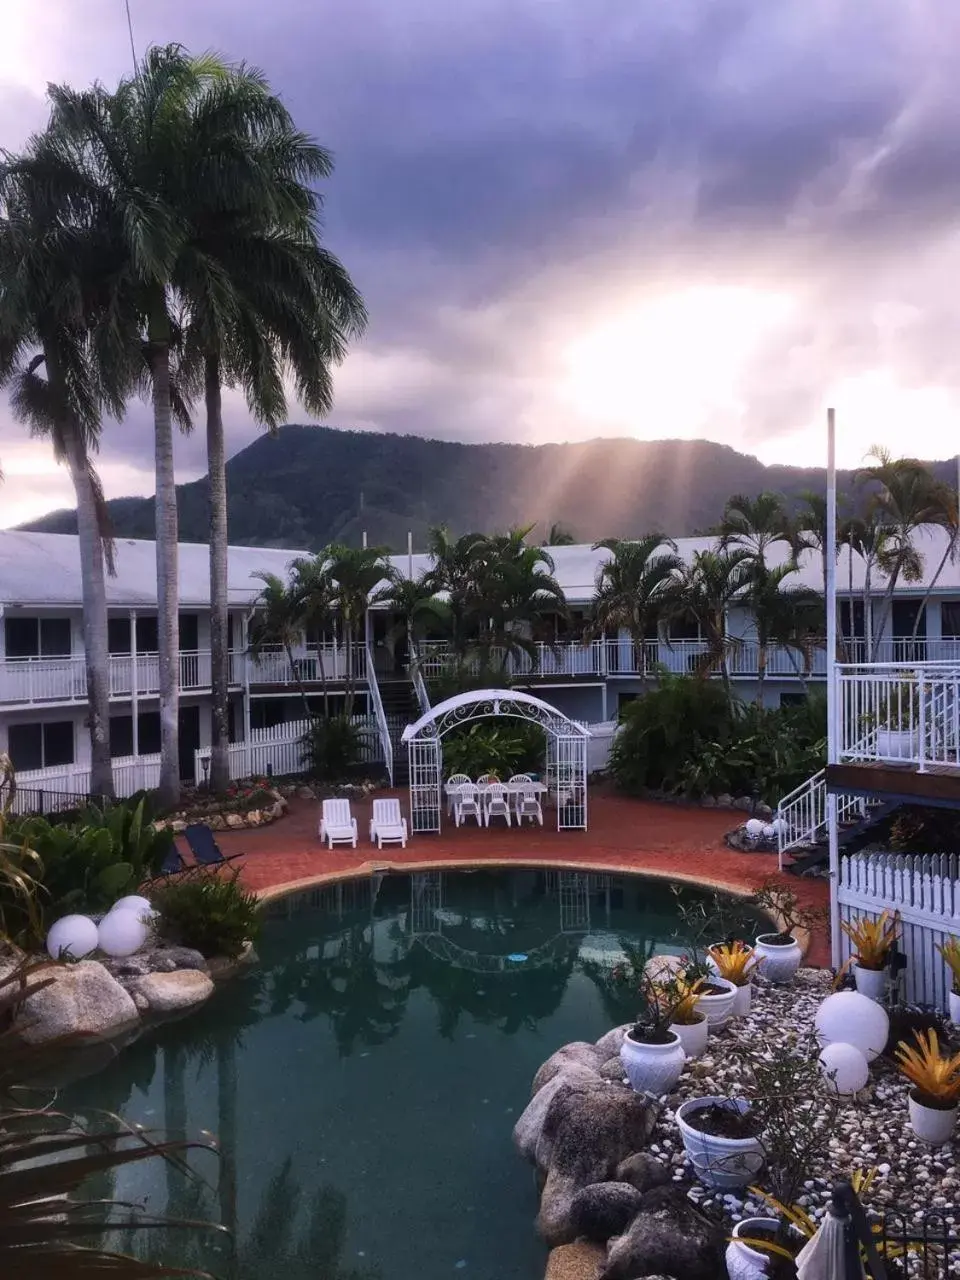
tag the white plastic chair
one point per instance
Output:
(487, 780)
(466, 804)
(388, 824)
(496, 803)
(515, 784)
(456, 780)
(528, 806)
(337, 823)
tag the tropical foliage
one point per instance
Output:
(500, 747)
(935, 1075)
(332, 747)
(207, 910)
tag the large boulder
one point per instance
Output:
(578, 1052)
(154, 960)
(603, 1210)
(643, 1171)
(170, 992)
(609, 1045)
(586, 1134)
(83, 1000)
(529, 1128)
(672, 1242)
(580, 1261)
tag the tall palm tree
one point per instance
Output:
(705, 589)
(757, 524)
(558, 535)
(790, 616)
(454, 574)
(278, 620)
(356, 573)
(948, 501)
(314, 593)
(420, 610)
(516, 591)
(634, 588)
(66, 366)
(904, 496)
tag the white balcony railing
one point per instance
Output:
(312, 664)
(38, 680)
(900, 713)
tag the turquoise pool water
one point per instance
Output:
(365, 1077)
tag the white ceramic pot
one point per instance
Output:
(870, 982)
(743, 1001)
(897, 744)
(719, 1162)
(954, 1005)
(930, 1124)
(652, 1068)
(779, 961)
(692, 1035)
(718, 1008)
(744, 1263)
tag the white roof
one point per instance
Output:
(477, 696)
(44, 569)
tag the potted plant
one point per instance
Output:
(951, 954)
(721, 1136)
(652, 1054)
(736, 961)
(897, 722)
(872, 940)
(935, 1097)
(779, 950)
(689, 1023)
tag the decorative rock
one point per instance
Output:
(744, 803)
(84, 1000)
(708, 802)
(169, 992)
(254, 818)
(580, 1261)
(604, 1209)
(586, 1055)
(643, 1171)
(156, 960)
(528, 1129)
(658, 967)
(178, 825)
(233, 820)
(612, 1069)
(764, 811)
(217, 822)
(609, 1045)
(725, 801)
(675, 1244)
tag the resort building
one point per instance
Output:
(43, 679)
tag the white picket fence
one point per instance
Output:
(278, 750)
(926, 892)
(49, 789)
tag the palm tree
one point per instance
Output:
(314, 594)
(66, 366)
(516, 591)
(278, 620)
(558, 535)
(634, 588)
(948, 500)
(905, 497)
(790, 616)
(421, 611)
(356, 573)
(756, 524)
(457, 565)
(265, 299)
(704, 590)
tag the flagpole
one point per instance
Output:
(830, 593)
(133, 47)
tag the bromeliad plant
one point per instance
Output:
(735, 961)
(678, 998)
(935, 1076)
(950, 951)
(873, 940)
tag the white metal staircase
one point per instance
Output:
(802, 815)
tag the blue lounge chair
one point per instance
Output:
(172, 863)
(204, 848)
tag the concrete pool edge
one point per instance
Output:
(276, 893)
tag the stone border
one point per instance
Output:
(276, 892)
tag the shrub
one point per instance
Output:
(331, 747)
(208, 911)
(89, 863)
(663, 728)
(919, 830)
(500, 748)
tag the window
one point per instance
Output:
(950, 619)
(147, 635)
(148, 732)
(792, 699)
(41, 746)
(267, 712)
(687, 628)
(118, 635)
(904, 616)
(38, 637)
(189, 633)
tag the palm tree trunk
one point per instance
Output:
(922, 610)
(168, 587)
(94, 596)
(219, 624)
(761, 671)
(297, 678)
(868, 608)
(323, 680)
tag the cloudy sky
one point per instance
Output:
(570, 218)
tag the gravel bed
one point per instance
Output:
(873, 1129)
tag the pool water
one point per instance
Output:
(364, 1078)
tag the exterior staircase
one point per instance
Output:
(802, 825)
(400, 708)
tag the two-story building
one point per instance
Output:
(43, 679)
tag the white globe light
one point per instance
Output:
(845, 1067)
(133, 902)
(73, 936)
(769, 832)
(778, 824)
(847, 1017)
(753, 827)
(121, 933)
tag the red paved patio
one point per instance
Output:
(625, 835)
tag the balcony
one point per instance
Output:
(312, 665)
(32, 681)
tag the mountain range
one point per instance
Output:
(307, 486)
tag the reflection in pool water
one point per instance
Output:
(365, 1077)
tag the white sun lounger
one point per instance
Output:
(337, 823)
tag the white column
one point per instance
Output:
(244, 641)
(832, 724)
(134, 703)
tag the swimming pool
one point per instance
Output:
(365, 1077)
